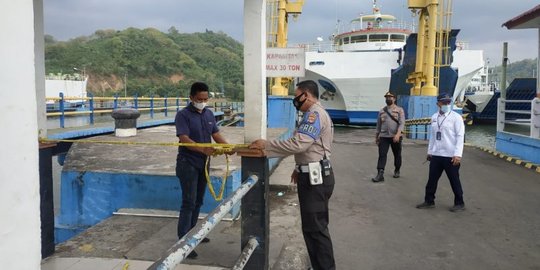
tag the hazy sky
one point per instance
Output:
(479, 20)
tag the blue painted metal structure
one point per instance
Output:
(516, 145)
(519, 89)
(421, 106)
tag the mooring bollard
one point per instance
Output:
(125, 122)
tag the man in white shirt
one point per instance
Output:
(444, 153)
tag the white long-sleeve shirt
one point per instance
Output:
(452, 135)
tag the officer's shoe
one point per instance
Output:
(425, 205)
(457, 208)
(205, 240)
(396, 174)
(379, 177)
(192, 255)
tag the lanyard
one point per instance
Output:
(439, 125)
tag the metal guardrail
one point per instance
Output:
(101, 105)
(533, 122)
(179, 251)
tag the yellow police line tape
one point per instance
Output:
(219, 149)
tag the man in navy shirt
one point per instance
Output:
(194, 124)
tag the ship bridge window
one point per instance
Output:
(397, 37)
(361, 38)
(346, 40)
(378, 37)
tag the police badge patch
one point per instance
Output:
(311, 125)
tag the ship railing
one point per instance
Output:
(90, 106)
(519, 117)
(181, 249)
(326, 46)
(358, 25)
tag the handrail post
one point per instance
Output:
(500, 114)
(177, 103)
(61, 107)
(152, 107)
(91, 104)
(535, 118)
(255, 212)
(165, 105)
(115, 103)
(136, 101)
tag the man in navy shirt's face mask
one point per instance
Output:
(194, 124)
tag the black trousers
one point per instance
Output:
(384, 144)
(437, 165)
(193, 184)
(314, 214)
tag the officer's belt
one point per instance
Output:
(303, 168)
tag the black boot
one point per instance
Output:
(379, 177)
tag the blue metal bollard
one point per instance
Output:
(115, 104)
(177, 103)
(136, 101)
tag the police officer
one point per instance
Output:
(311, 146)
(390, 124)
(444, 153)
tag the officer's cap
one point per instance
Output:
(444, 98)
(389, 94)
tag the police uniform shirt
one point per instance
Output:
(452, 130)
(314, 131)
(386, 126)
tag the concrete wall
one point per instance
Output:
(89, 197)
(19, 175)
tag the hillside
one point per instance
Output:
(521, 69)
(154, 63)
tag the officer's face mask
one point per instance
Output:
(445, 108)
(389, 101)
(297, 103)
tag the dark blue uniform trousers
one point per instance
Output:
(437, 165)
(193, 184)
(314, 214)
(384, 144)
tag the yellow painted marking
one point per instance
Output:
(538, 169)
(518, 162)
(528, 165)
(126, 266)
(86, 248)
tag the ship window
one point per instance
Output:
(396, 37)
(378, 37)
(361, 38)
(346, 40)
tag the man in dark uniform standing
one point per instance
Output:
(194, 124)
(390, 125)
(311, 146)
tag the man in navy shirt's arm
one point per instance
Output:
(194, 124)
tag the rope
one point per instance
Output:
(221, 148)
(218, 197)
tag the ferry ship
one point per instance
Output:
(72, 86)
(354, 69)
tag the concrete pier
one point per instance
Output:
(373, 225)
